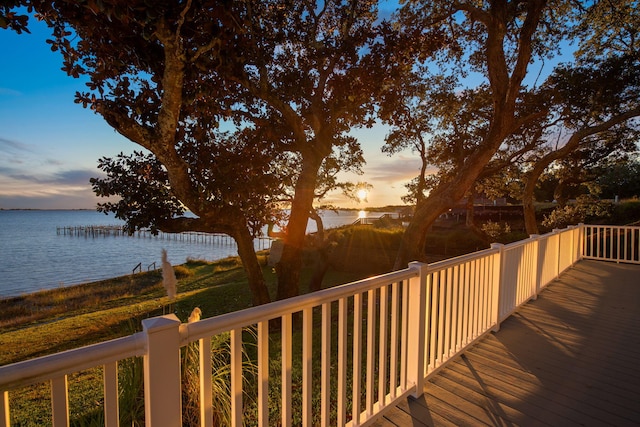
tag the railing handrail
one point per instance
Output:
(191, 332)
(621, 246)
(450, 262)
(46, 367)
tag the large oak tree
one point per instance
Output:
(497, 41)
(311, 66)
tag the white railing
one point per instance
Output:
(612, 243)
(375, 341)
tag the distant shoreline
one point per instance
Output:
(369, 209)
(38, 209)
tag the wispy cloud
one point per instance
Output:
(14, 153)
(54, 162)
(74, 177)
(65, 177)
(10, 92)
(9, 145)
(46, 190)
(394, 170)
(32, 178)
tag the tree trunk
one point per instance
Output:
(320, 269)
(560, 194)
(247, 253)
(572, 144)
(414, 238)
(529, 211)
(470, 220)
(322, 255)
(444, 196)
(288, 269)
(504, 81)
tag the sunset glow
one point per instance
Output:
(362, 194)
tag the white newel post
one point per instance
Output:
(162, 389)
(417, 327)
(496, 287)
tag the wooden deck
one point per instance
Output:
(572, 357)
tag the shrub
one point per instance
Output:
(586, 209)
(181, 271)
(455, 242)
(495, 229)
(626, 212)
(358, 248)
(193, 262)
(221, 380)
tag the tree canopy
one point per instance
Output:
(495, 41)
(486, 116)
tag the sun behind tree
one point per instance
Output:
(362, 194)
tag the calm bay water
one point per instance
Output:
(33, 256)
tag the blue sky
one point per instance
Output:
(49, 146)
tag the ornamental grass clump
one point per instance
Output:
(221, 377)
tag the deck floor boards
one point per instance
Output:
(570, 357)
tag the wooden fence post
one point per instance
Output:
(417, 327)
(162, 385)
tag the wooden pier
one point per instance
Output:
(187, 236)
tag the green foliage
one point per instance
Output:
(608, 28)
(288, 80)
(626, 212)
(16, 20)
(586, 209)
(621, 179)
(143, 190)
(495, 230)
(453, 242)
(364, 248)
(221, 380)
